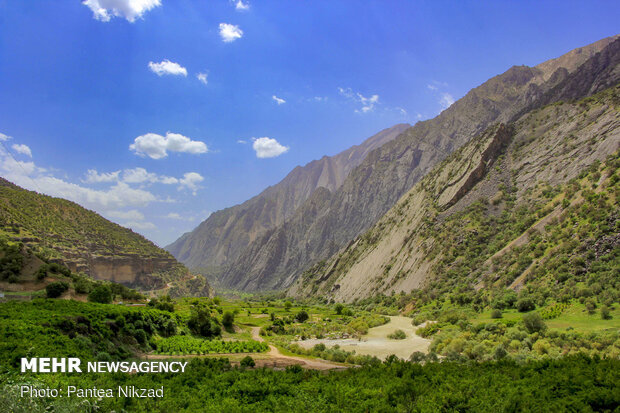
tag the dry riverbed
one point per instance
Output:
(377, 343)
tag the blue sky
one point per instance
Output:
(106, 106)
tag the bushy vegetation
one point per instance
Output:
(57, 328)
(180, 345)
(397, 335)
(576, 383)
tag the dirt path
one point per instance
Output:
(278, 359)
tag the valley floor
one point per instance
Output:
(376, 342)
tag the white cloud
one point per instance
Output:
(138, 176)
(268, 148)
(241, 141)
(13, 167)
(241, 6)
(177, 217)
(202, 77)
(320, 98)
(368, 103)
(168, 180)
(92, 176)
(446, 100)
(4, 137)
(166, 67)
(23, 149)
(139, 225)
(190, 181)
(141, 176)
(131, 10)
(431, 87)
(156, 146)
(30, 176)
(278, 100)
(230, 32)
(133, 215)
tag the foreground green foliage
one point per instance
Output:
(210, 385)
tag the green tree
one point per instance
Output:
(227, 321)
(202, 324)
(338, 307)
(288, 305)
(302, 316)
(101, 294)
(525, 304)
(534, 323)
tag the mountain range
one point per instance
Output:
(318, 212)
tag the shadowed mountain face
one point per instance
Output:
(225, 234)
(331, 217)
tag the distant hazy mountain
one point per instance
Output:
(225, 234)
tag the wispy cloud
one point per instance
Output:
(278, 100)
(241, 6)
(367, 103)
(444, 98)
(202, 77)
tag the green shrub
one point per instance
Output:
(56, 289)
(397, 335)
(302, 316)
(247, 361)
(605, 313)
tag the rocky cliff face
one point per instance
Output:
(320, 227)
(225, 234)
(507, 171)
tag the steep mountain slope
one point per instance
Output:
(220, 238)
(64, 232)
(330, 220)
(497, 212)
